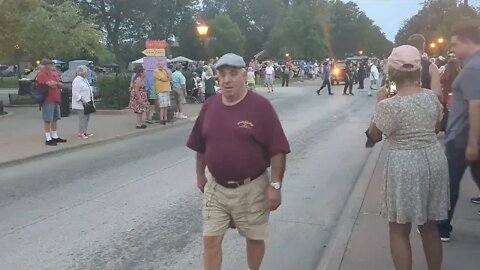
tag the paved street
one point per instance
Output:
(133, 204)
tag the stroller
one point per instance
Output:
(194, 95)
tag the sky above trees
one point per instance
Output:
(390, 15)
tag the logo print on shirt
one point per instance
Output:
(245, 124)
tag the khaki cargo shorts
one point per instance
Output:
(245, 206)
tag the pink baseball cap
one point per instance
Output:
(405, 58)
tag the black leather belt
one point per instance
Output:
(236, 184)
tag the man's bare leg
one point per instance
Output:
(46, 127)
(212, 252)
(53, 126)
(255, 253)
(163, 114)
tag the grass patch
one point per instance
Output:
(9, 82)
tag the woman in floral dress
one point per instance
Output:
(416, 170)
(138, 97)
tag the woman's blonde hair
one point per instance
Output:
(82, 71)
(402, 77)
(209, 71)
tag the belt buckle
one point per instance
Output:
(233, 183)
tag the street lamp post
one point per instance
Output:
(17, 59)
(202, 30)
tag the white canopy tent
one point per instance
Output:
(181, 59)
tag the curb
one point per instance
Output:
(69, 149)
(332, 257)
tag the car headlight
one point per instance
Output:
(336, 71)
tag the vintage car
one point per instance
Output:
(338, 72)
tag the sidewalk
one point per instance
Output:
(22, 136)
(368, 247)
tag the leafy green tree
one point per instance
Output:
(12, 22)
(352, 30)
(60, 32)
(438, 19)
(226, 37)
(299, 32)
(255, 18)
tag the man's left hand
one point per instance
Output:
(472, 153)
(274, 198)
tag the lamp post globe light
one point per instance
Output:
(202, 29)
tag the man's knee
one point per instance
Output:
(255, 243)
(212, 244)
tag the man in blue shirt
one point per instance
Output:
(326, 79)
(180, 90)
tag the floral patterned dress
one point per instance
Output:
(139, 104)
(416, 169)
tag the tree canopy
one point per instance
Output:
(313, 29)
(438, 19)
(228, 37)
(97, 28)
(60, 32)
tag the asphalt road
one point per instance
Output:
(133, 204)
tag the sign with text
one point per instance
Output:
(156, 44)
(154, 52)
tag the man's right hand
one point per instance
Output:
(201, 182)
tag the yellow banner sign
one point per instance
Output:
(154, 52)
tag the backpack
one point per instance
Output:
(38, 91)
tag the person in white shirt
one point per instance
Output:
(82, 94)
(269, 77)
(374, 75)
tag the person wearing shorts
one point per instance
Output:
(251, 79)
(180, 90)
(269, 77)
(48, 77)
(161, 81)
(237, 135)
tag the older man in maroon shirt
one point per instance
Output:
(238, 136)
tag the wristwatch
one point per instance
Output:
(276, 185)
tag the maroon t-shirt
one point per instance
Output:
(238, 141)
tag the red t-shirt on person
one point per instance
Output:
(53, 95)
(238, 141)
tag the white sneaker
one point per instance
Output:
(183, 116)
(176, 115)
